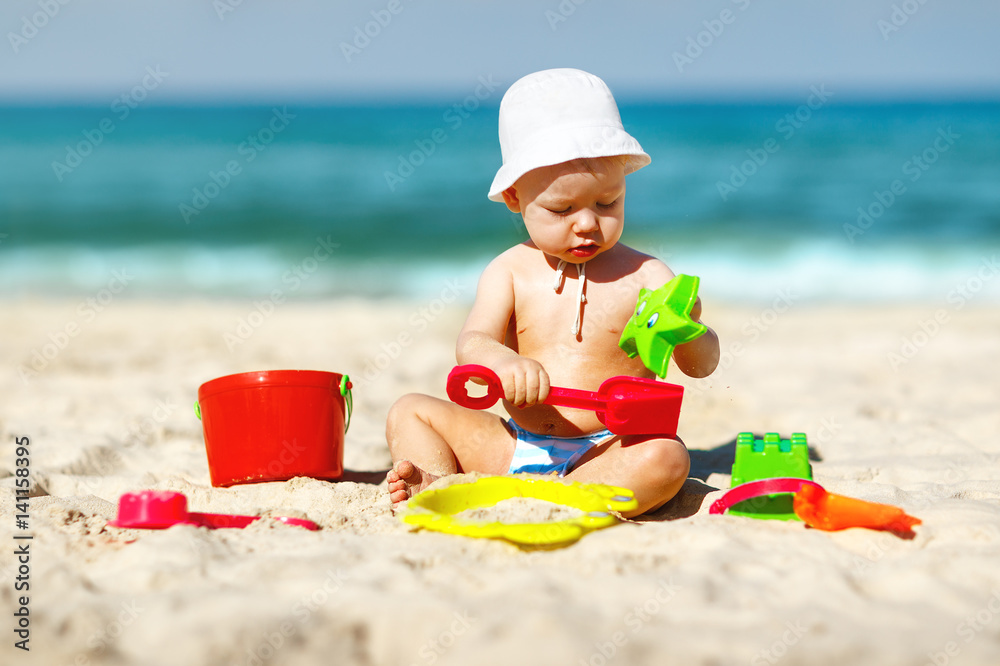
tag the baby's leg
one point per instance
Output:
(429, 438)
(654, 468)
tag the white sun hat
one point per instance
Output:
(555, 116)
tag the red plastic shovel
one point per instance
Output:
(160, 509)
(626, 405)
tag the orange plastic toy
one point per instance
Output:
(827, 511)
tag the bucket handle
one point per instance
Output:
(197, 410)
(345, 390)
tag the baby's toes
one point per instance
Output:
(403, 470)
(399, 497)
(396, 486)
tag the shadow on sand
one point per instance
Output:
(704, 463)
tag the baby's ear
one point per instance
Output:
(510, 198)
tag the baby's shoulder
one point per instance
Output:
(516, 259)
(644, 269)
(510, 267)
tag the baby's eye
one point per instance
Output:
(559, 212)
(652, 319)
(609, 205)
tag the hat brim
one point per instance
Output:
(565, 144)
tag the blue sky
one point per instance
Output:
(260, 50)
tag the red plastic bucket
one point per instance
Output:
(274, 425)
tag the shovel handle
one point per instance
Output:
(576, 398)
(562, 397)
(215, 520)
(459, 394)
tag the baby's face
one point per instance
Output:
(574, 210)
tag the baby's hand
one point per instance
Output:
(696, 310)
(524, 380)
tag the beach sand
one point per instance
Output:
(112, 413)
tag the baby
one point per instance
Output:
(536, 324)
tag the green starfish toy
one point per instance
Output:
(662, 320)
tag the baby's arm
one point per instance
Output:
(699, 357)
(481, 341)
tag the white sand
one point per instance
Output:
(112, 413)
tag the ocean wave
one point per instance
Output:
(806, 271)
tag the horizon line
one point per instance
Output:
(845, 99)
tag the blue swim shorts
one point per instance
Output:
(541, 454)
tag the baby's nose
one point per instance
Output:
(585, 221)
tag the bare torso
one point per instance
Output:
(541, 327)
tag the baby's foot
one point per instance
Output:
(406, 480)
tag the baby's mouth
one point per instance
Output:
(584, 250)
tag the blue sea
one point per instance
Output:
(835, 202)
